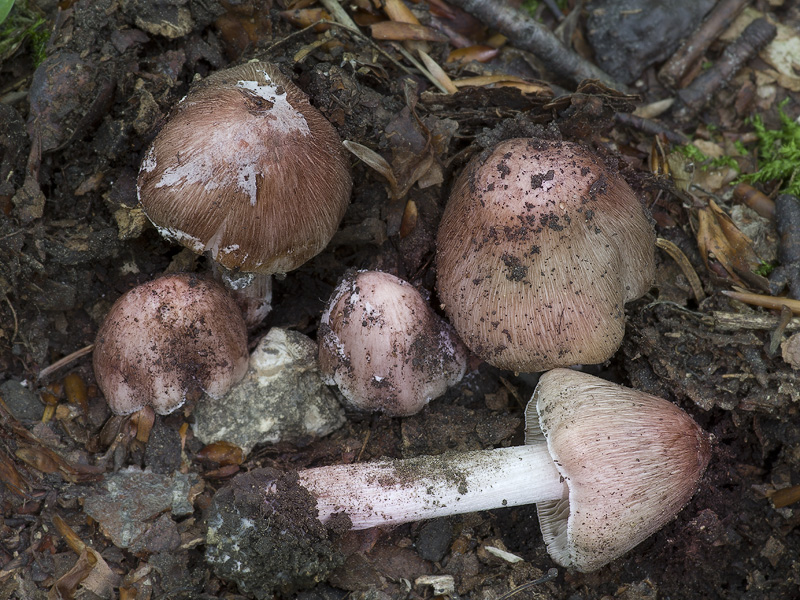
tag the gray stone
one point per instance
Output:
(21, 401)
(627, 36)
(281, 398)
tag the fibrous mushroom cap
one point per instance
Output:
(539, 247)
(631, 461)
(248, 170)
(384, 347)
(169, 340)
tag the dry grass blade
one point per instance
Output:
(375, 161)
(437, 71)
(688, 271)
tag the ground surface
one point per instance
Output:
(72, 241)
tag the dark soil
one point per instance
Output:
(72, 240)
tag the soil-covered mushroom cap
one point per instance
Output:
(384, 347)
(631, 461)
(539, 248)
(245, 168)
(167, 341)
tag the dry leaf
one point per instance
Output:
(308, 16)
(393, 30)
(409, 220)
(527, 87)
(221, 453)
(397, 11)
(470, 53)
(374, 160)
(438, 72)
(719, 239)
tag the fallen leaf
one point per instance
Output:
(393, 30)
(720, 240)
(470, 53)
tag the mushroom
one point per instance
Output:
(539, 247)
(384, 347)
(247, 170)
(167, 341)
(607, 465)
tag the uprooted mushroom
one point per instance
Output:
(606, 465)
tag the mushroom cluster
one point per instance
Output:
(247, 170)
(539, 248)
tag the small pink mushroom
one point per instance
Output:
(168, 341)
(385, 348)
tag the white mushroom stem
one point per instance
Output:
(251, 291)
(390, 492)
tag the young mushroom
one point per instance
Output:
(168, 341)
(247, 170)
(383, 346)
(607, 466)
(540, 246)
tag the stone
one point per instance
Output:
(281, 399)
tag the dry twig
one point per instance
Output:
(692, 99)
(718, 20)
(527, 34)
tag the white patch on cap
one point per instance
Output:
(287, 118)
(149, 160)
(197, 165)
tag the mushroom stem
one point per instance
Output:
(251, 291)
(398, 491)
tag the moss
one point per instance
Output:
(24, 24)
(706, 162)
(765, 268)
(778, 153)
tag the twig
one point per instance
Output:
(354, 31)
(553, 7)
(729, 321)
(62, 362)
(551, 574)
(651, 127)
(780, 328)
(692, 100)
(718, 20)
(14, 315)
(787, 222)
(527, 34)
(773, 302)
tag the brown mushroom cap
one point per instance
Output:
(167, 341)
(384, 347)
(247, 170)
(631, 461)
(539, 247)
